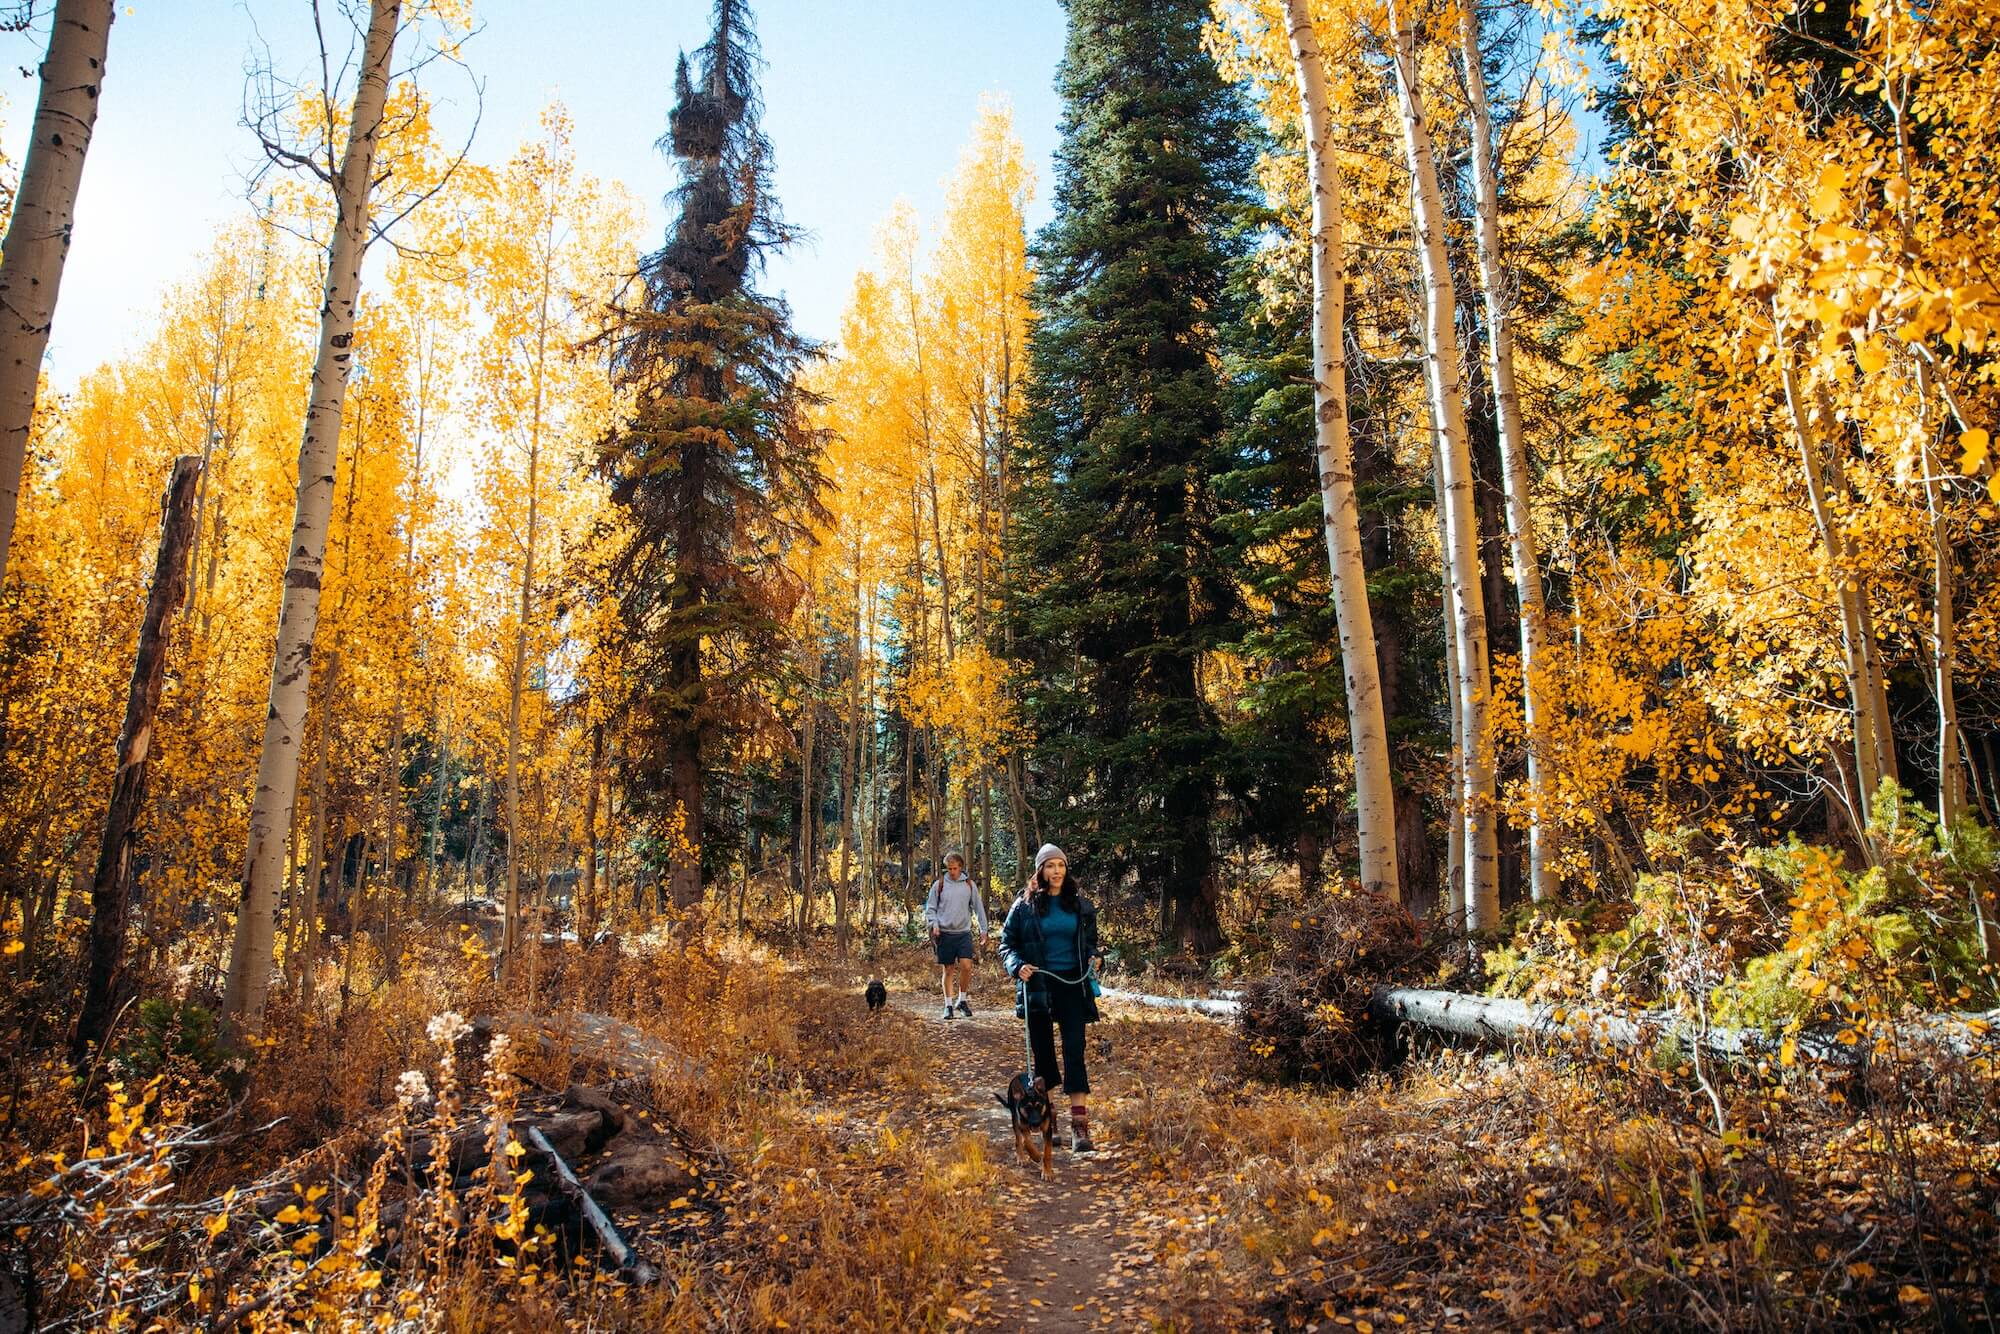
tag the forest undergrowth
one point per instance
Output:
(186, 1193)
(833, 1189)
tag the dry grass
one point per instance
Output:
(1485, 1192)
(812, 1219)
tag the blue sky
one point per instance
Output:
(866, 101)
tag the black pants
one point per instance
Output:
(1067, 1006)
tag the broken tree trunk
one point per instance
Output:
(111, 888)
(615, 1246)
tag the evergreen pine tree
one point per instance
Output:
(1282, 739)
(715, 467)
(1122, 582)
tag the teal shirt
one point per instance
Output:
(1059, 929)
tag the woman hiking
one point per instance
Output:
(1049, 943)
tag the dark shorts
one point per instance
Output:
(953, 946)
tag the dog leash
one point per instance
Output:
(1027, 1042)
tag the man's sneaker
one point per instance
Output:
(948, 1012)
(1079, 1141)
(965, 1007)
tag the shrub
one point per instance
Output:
(1310, 1019)
(170, 1033)
(1868, 944)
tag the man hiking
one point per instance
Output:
(950, 909)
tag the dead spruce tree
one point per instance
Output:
(715, 466)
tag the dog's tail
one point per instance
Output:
(1003, 1102)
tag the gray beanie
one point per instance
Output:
(1049, 850)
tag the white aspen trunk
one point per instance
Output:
(427, 883)
(315, 893)
(1473, 677)
(1855, 659)
(388, 793)
(298, 618)
(808, 860)
(1944, 627)
(842, 894)
(1944, 642)
(294, 870)
(37, 244)
(1881, 727)
(517, 681)
(1515, 475)
(1454, 862)
(871, 817)
(586, 902)
(611, 916)
(1878, 685)
(1374, 792)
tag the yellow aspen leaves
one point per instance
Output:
(1972, 450)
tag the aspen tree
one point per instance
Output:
(1375, 798)
(1472, 678)
(1933, 469)
(314, 886)
(277, 770)
(1516, 477)
(37, 243)
(1870, 724)
(586, 906)
(849, 758)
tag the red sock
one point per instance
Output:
(1079, 1115)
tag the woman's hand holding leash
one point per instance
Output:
(1027, 971)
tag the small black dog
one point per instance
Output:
(877, 994)
(1027, 1104)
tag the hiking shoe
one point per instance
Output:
(965, 1007)
(948, 1012)
(1079, 1142)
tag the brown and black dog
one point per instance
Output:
(1027, 1104)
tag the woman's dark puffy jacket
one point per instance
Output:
(1021, 941)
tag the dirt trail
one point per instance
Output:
(1064, 1248)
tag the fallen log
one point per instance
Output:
(1491, 1018)
(1213, 1009)
(629, 1261)
(1486, 1017)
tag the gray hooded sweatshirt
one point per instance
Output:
(953, 903)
